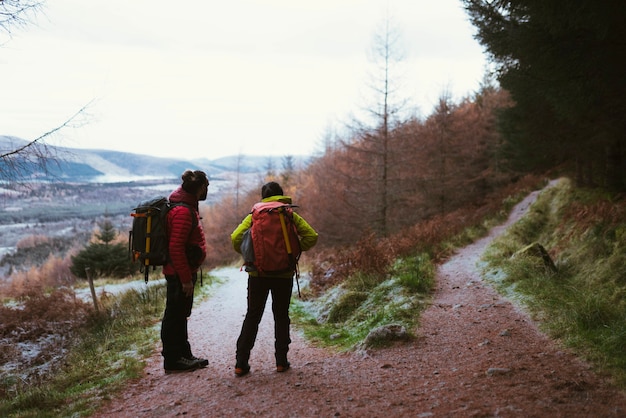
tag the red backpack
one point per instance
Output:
(274, 239)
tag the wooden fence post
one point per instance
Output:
(93, 290)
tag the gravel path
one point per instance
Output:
(476, 355)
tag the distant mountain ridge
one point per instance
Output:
(97, 165)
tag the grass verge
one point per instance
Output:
(582, 303)
(110, 350)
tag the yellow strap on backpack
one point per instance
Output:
(284, 226)
(288, 245)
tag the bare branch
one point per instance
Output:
(17, 13)
(21, 159)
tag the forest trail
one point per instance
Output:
(475, 355)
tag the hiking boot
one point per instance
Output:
(282, 367)
(242, 370)
(202, 362)
(181, 365)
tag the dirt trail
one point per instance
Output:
(476, 355)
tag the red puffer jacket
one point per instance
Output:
(187, 245)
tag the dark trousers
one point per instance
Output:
(174, 334)
(258, 290)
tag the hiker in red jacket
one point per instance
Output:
(187, 251)
(262, 281)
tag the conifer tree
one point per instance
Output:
(562, 62)
(103, 257)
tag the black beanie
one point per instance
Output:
(271, 189)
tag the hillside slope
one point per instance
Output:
(476, 355)
(97, 165)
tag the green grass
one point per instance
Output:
(583, 304)
(110, 351)
(344, 316)
(417, 274)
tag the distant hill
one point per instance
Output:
(103, 166)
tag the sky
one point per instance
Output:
(204, 79)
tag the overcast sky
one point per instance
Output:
(209, 79)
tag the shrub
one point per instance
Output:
(48, 323)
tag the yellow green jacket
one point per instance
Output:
(306, 234)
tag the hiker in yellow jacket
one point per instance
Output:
(261, 283)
